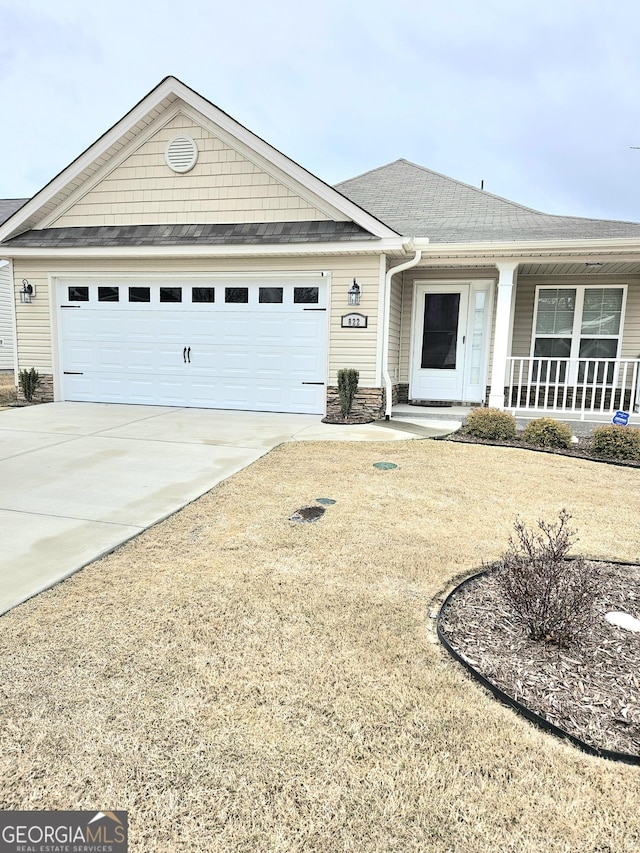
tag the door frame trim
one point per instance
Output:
(474, 285)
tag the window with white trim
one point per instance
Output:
(581, 322)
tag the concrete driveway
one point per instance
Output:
(78, 479)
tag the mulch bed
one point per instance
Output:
(590, 689)
(352, 419)
(583, 450)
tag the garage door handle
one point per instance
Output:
(189, 354)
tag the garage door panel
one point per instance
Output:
(253, 356)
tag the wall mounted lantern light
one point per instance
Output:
(354, 293)
(28, 291)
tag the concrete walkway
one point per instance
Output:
(79, 479)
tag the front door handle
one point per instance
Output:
(184, 355)
(189, 354)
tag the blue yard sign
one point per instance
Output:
(620, 418)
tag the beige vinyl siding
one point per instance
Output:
(525, 306)
(356, 348)
(6, 319)
(395, 327)
(223, 187)
(348, 347)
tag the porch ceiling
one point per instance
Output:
(581, 268)
(550, 268)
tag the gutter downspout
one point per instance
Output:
(386, 378)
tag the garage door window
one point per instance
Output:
(78, 294)
(307, 295)
(236, 294)
(108, 294)
(203, 294)
(270, 294)
(170, 294)
(139, 294)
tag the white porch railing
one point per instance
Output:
(585, 386)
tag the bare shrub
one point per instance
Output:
(550, 595)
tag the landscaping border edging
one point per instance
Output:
(536, 719)
(486, 442)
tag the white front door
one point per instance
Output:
(439, 342)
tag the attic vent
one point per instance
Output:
(181, 153)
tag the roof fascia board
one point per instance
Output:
(127, 123)
(172, 86)
(268, 166)
(180, 108)
(356, 247)
(524, 250)
(104, 171)
(285, 164)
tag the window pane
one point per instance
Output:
(139, 294)
(598, 348)
(556, 307)
(551, 367)
(602, 311)
(236, 294)
(306, 295)
(552, 348)
(203, 294)
(270, 294)
(440, 330)
(78, 294)
(592, 349)
(170, 294)
(108, 294)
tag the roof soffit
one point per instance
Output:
(48, 203)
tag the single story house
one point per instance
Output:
(181, 260)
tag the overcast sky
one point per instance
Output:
(538, 99)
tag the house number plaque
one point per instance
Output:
(354, 321)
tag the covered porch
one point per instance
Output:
(556, 336)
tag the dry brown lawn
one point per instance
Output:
(7, 389)
(238, 682)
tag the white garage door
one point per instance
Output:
(257, 344)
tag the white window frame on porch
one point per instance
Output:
(586, 385)
(576, 333)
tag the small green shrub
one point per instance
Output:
(28, 382)
(490, 424)
(547, 432)
(616, 442)
(348, 379)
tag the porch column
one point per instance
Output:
(507, 275)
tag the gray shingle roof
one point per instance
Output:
(420, 203)
(179, 235)
(8, 206)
